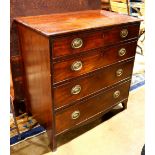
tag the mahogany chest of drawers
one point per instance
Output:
(77, 66)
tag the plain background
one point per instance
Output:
(5, 77)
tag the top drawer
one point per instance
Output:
(83, 41)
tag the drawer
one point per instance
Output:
(83, 41)
(84, 110)
(82, 87)
(81, 64)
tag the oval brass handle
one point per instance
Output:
(76, 90)
(124, 33)
(122, 52)
(75, 114)
(76, 66)
(77, 43)
(119, 72)
(116, 94)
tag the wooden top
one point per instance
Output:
(53, 24)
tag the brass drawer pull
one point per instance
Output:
(119, 72)
(76, 90)
(122, 52)
(77, 43)
(124, 33)
(75, 114)
(116, 94)
(76, 66)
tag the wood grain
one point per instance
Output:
(92, 83)
(55, 24)
(36, 62)
(93, 39)
(45, 42)
(32, 8)
(42, 7)
(95, 105)
(92, 60)
(17, 77)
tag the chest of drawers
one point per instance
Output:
(77, 66)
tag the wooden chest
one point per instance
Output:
(77, 66)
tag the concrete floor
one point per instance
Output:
(121, 134)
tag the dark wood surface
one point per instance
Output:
(17, 77)
(93, 82)
(42, 7)
(90, 107)
(32, 8)
(92, 60)
(47, 53)
(93, 39)
(74, 21)
(105, 5)
(36, 62)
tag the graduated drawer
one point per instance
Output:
(78, 113)
(84, 86)
(81, 64)
(83, 41)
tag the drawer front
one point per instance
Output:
(75, 90)
(81, 42)
(79, 65)
(80, 112)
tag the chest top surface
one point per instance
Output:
(54, 24)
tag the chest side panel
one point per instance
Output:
(36, 63)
